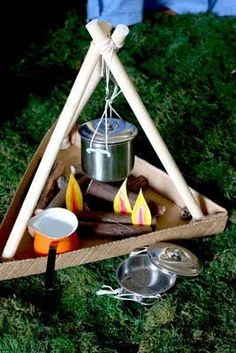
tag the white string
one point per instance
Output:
(109, 290)
(120, 293)
(106, 47)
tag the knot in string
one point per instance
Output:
(109, 101)
(105, 48)
(108, 109)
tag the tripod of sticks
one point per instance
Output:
(82, 89)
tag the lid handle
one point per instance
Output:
(174, 255)
(138, 251)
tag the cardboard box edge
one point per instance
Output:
(27, 267)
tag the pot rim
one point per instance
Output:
(57, 213)
(109, 143)
(124, 131)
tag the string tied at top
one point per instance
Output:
(106, 47)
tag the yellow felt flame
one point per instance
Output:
(74, 197)
(141, 214)
(121, 202)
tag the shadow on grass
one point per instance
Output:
(25, 23)
(32, 291)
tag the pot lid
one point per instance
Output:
(118, 130)
(175, 259)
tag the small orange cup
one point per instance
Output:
(54, 227)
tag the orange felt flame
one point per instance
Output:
(141, 214)
(121, 202)
(74, 197)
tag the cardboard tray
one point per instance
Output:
(170, 225)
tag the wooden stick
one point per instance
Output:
(118, 37)
(50, 154)
(108, 217)
(111, 230)
(65, 122)
(52, 149)
(144, 118)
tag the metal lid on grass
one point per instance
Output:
(175, 259)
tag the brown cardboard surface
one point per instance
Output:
(170, 225)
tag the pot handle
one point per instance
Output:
(96, 150)
(120, 294)
(51, 261)
(138, 251)
(107, 290)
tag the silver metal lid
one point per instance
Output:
(175, 259)
(118, 130)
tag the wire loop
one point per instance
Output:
(106, 47)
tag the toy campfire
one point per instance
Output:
(86, 180)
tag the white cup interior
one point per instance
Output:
(56, 222)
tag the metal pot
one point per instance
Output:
(150, 271)
(107, 149)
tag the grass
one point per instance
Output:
(184, 68)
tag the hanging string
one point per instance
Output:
(108, 47)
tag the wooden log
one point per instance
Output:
(107, 192)
(134, 184)
(47, 193)
(59, 199)
(108, 217)
(111, 230)
(185, 214)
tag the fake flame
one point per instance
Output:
(74, 197)
(121, 202)
(141, 214)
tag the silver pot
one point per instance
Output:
(108, 157)
(150, 271)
